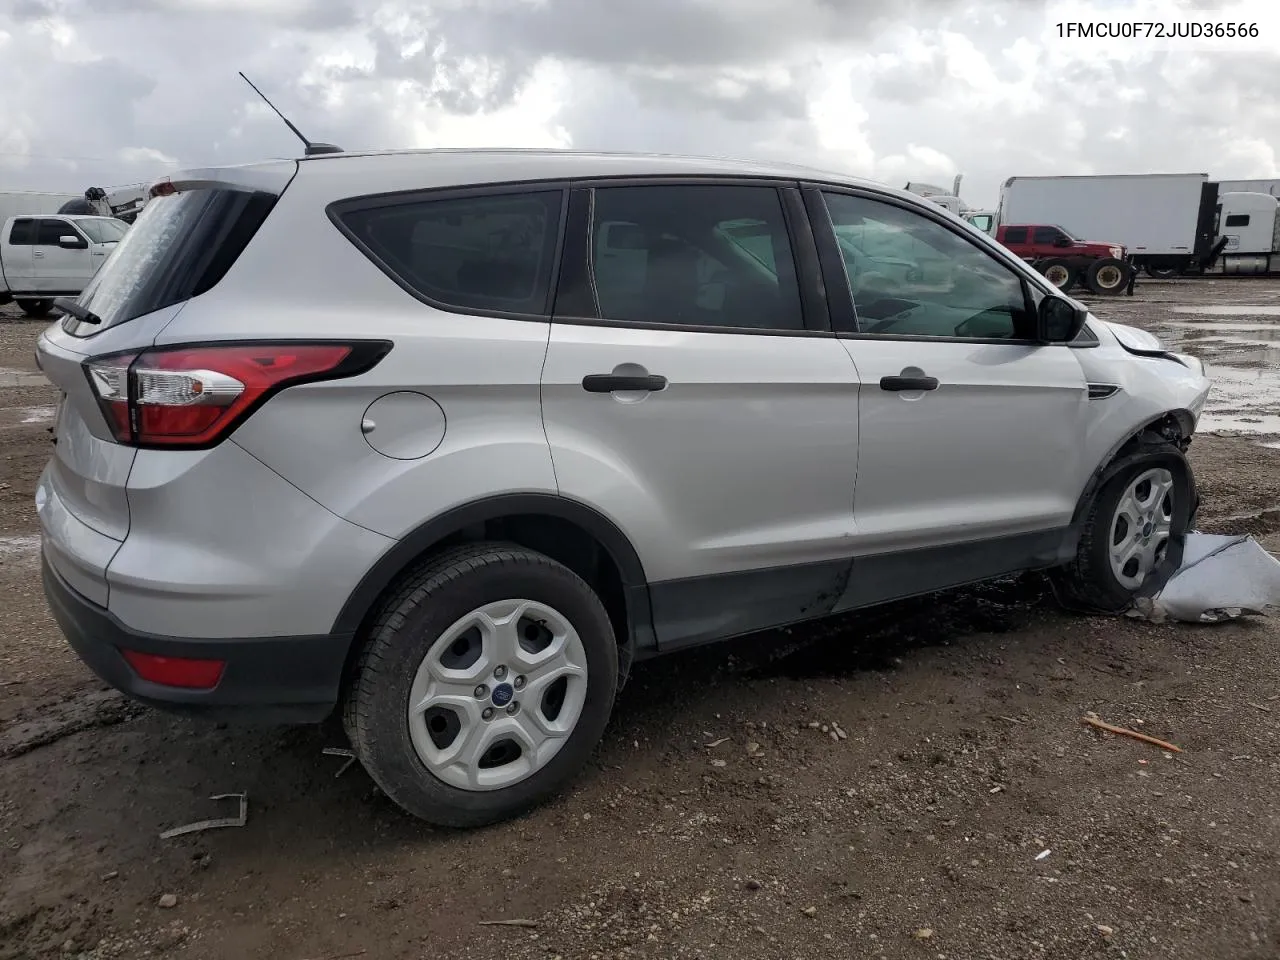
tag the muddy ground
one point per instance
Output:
(723, 816)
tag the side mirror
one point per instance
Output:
(1061, 241)
(69, 242)
(1058, 320)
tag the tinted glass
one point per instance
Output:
(103, 230)
(23, 233)
(1016, 235)
(911, 276)
(472, 253)
(1237, 220)
(1045, 235)
(179, 247)
(49, 231)
(691, 255)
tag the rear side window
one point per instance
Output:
(489, 253)
(1237, 219)
(1016, 235)
(23, 233)
(180, 246)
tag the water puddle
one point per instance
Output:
(21, 378)
(1240, 347)
(38, 415)
(1230, 310)
(11, 547)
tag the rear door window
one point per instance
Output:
(489, 253)
(23, 233)
(180, 246)
(694, 255)
(1016, 235)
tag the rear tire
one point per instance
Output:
(1107, 276)
(448, 709)
(1126, 533)
(1059, 272)
(35, 308)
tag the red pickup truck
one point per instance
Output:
(1063, 259)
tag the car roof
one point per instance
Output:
(552, 162)
(396, 170)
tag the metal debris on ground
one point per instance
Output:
(1221, 578)
(526, 924)
(238, 820)
(340, 752)
(1092, 720)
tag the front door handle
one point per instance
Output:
(908, 383)
(612, 382)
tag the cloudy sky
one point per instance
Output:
(115, 91)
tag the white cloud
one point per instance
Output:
(895, 89)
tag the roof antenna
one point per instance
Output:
(312, 149)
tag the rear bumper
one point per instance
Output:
(266, 680)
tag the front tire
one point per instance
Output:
(1126, 535)
(484, 686)
(35, 308)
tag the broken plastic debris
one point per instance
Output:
(1221, 578)
(238, 820)
(1042, 854)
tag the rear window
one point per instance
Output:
(492, 253)
(179, 247)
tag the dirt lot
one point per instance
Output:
(724, 816)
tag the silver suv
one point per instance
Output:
(450, 439)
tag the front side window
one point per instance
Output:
(1047, 235)
(104, 229)
(911, 276)
(694, 255)
(490, 252)
(51, 231)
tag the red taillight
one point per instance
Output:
(176, 671)
(193, 396)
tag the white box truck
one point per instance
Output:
(1164, 221)
(22, 203)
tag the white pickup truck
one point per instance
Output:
(53, 255)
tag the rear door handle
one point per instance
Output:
(611, 382)
(908, 383)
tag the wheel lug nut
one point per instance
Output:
(481, 692)
(487, 713)
(500, 672)
(514, 708)
(518, 683)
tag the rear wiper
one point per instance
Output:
(83, 314)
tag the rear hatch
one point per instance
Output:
(184, 241)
